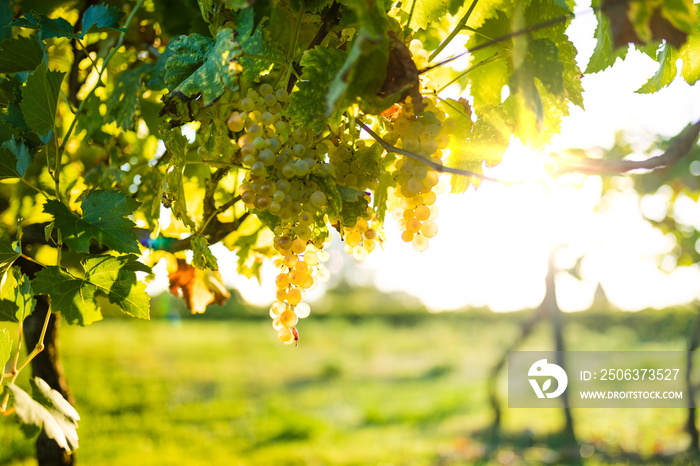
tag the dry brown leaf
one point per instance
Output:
(198, 288)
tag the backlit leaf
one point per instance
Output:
(73, 297)
(665, 74)
(115, 277)
(58, 421)
(308, 104)
(16, 298)
(103, 219)
(199, 288)
(218, 73)
(5, 347)
(255, 41)
(203, 258)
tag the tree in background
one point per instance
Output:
(137, 132)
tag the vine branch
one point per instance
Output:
(678, 149)
(435, 166)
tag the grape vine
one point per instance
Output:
(132, 135)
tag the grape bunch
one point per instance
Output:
(302, 268)
(417, 184)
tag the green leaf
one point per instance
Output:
(103, 219)
(9, 253)
(690, 54)
(327, 184)
(369, 51)
(115, 277)
(57, 418)
(185, 55)
(665, 74)
(255, 41)
(474, 145)
(14, 159)
(543, 61)
(425, 12)
(349, 194)
(73, 297)
(218, 73)
(123, 103)
(102, 18)
(5, 348)
(381, 196)
(5, 19)
(48, 27)
(603, 54)
(39, 98)
(491, 65)
(352, 210)
(203, 258)
(173, 188)
(17, 301)
(20, 54)
(307, 105)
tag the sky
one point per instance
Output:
(493, 243)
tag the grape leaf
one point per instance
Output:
(654, 20)
(115, 277)
(20, 54)
(425, 12)
(202, 256)
(5, 348)
(173, 188)
(491, 66)
(17, 301)
(349, 194)
(39, 98)
(199, 288)
(111, 276)
(102, 18)
(665, 74)
(352, 210)
(313, 6)
(604, 54)
(560, 65)
(57, 418)
(381, 196)
(103, 219)
(5, 18)
(690, 54)
(48, 27)
(369, 51)
(14, 159)
(185, 54)
(218, 73)
(123, 103)
(73, 297)
(308, 104)
(477, 143)
(327, 184)
(9, 253)
(255, 41)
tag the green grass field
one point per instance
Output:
(370, 392)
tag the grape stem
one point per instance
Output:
(435, 166)
(458, 27)
(503, 38)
